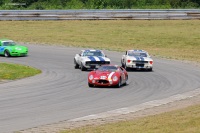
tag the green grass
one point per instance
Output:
(15, 71)
(181, 121)
(177, 39)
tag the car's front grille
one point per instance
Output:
(102, 81)
(97, 62)
(23, 54)
(136, 61)
(139, 65)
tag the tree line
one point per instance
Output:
(98, 4)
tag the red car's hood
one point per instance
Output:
(106, 74)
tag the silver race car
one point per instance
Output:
(137, 59)
(90, 59)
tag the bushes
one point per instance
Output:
(98, 4)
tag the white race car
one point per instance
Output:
(90, 59)
(137, 59)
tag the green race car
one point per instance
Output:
(10, 48)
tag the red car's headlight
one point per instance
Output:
(91, 77)
(115, 78)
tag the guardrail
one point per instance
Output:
(100, 14)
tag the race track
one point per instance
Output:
(62, 93)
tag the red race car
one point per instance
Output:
(108, 75)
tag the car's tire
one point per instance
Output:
(6, 53)
(150, 69)
(126, 68)
(119, 83)
(122, 64)
(126, 80)
(90, 85)
(76, 64)
(82, 67)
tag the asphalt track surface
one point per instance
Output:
(62, 93)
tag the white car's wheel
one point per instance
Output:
(82, 67)
(150, 69)
(126, 68)
(122, 64)
(76, 64)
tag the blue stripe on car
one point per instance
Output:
(1, 49)
(91, 58)
(137, 58)
(101, 59)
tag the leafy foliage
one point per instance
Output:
(98, 4)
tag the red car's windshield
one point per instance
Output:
(107, 68)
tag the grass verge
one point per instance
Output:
(180, 121)
(177, 39)
(15, 71)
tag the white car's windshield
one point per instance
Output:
(10, 43)
(142, 54)
(93, 53)
(107, 68)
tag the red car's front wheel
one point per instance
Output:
(119, 83)
(90, 85)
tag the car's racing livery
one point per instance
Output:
(10, 48)
(90, 59)
(108, 75)
(137, 59)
